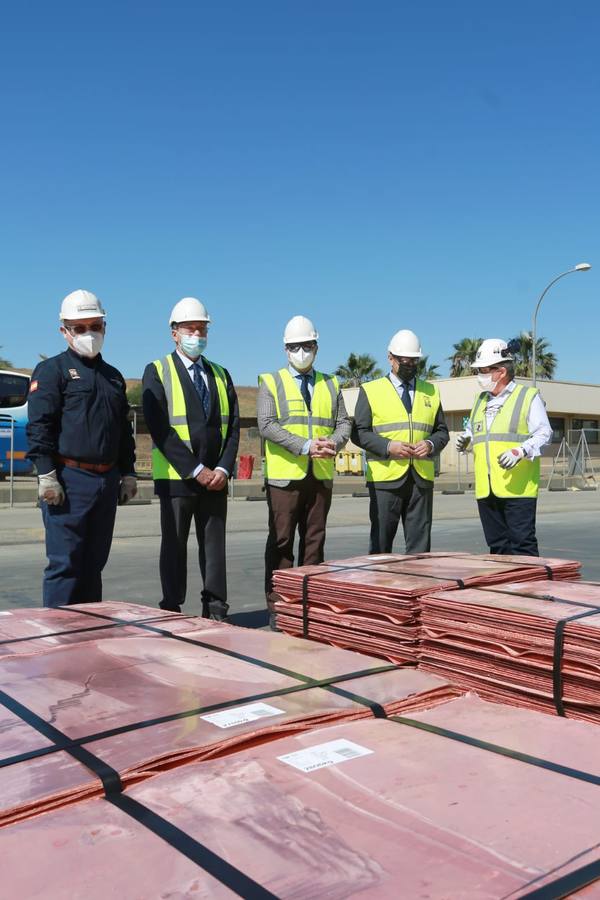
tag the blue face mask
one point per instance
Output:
(192, 345)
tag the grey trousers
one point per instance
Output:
(209, 511)
(413, 504)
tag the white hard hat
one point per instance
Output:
(189, 310)
(492, 352)
(81, 305)
(405, 343)
(299, 329)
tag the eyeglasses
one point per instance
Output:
(189, 328)
(96, 327)
(304, 345)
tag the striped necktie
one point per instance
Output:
(201, 387)
(304, 389)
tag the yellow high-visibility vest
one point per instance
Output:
(509, 429)
(392, 421)
(178, 420)
(294, 416)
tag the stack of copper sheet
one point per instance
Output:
(370, 603)
(24, 631)
(534, 644)
(76, 718)
(469, 800)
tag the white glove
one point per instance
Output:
(50, 489)
(511, 457)
(128, 489)
(462, 441)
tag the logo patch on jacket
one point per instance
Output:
(33, 387)
(74, 374)
(427, 401)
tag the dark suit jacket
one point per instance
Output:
(205, 433)
(376, 445)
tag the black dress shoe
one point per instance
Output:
(215, 616)
(167, 608)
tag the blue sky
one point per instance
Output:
(375, 166)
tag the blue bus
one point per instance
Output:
(14, 388)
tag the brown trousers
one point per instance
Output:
(303, 505)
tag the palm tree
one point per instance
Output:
(425, 371)
(134, 394)
(546, 361)
(358, 369)
(5, 363)
(463, 357)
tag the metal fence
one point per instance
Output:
(592, 439)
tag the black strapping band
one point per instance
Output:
(110, 778)
(565, 885)
(209, 861)
(559, 643)
(234, 879)
(234, 654)
(364, 568)
(328, 684)
(379, 567)
(530, 760)
(305, 606)
(227, 874)
(498, 589)
(559, 636)
(329, 568)
(122, 623)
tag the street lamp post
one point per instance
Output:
(580, 267)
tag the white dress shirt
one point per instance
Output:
(399, 385)
(540, 430)
(311, 389)
(189, 364)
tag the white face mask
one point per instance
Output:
(302, 360)
(88, 344)
(192, 345)
(486, 382)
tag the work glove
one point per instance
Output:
(510, 458)
(128, 489)
(462, 442)
(50, 489)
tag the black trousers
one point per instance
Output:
(209, 511)
(413, 504)
(509, 524)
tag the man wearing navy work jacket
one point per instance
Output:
(191, 411)
(81, 442)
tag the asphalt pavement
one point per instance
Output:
(568, 526)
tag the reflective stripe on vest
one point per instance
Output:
(171, 382)
(391, 420)
(508, 429)
(294, 416)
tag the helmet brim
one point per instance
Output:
(407, 355)
(83, 315)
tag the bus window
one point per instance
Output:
(14, 387)
(13, 390)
